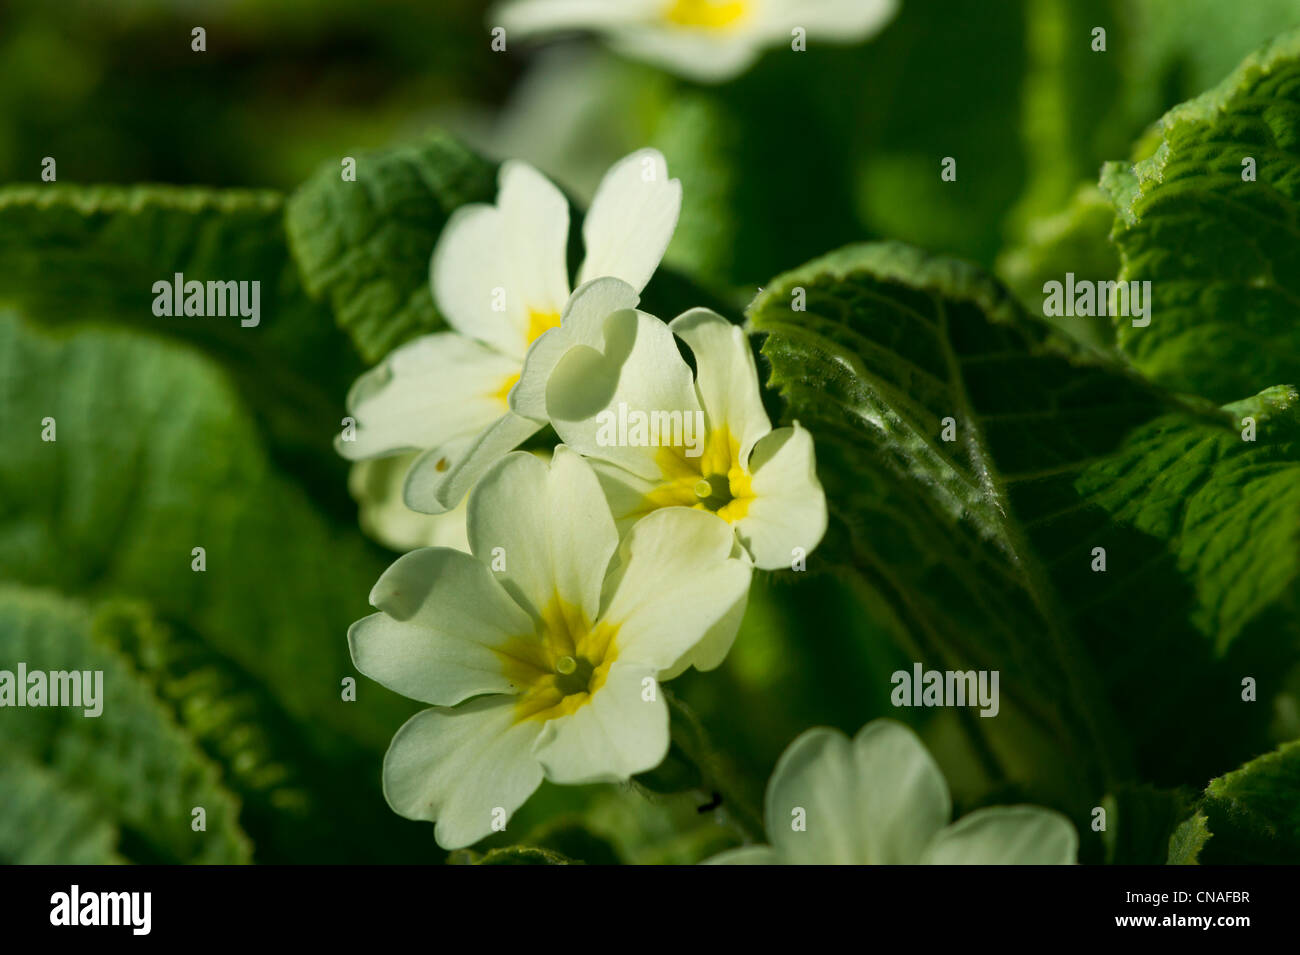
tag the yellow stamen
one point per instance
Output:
(715, 481)
(561, 666)
(706, 14)
(502, 394)
(539, 322)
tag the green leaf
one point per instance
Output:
(92, 253)
(659, 830)
(927, 89)
(741, 218)
(1230, 507)
(569, 836)
(140, 772)
(1187, 841)
(1189, 45)
(1075, 239)
(289, 792)
(1253, 811)
(364, 246)
(1071, 95)
(212, 700)
(1221, 253)
(979, 552)
(46, 821)
(695, 764)
(155, 456)
(511, 855)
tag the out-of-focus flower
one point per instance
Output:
(376, 486)
(880, 799)
(542, 649)
(704, 40)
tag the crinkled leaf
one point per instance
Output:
(1253, 811)
(211, 699)
(980, 551)
(155, 456)
(288, 791)
(364, 246)
(510, 855)
(569, 837)
(1221, 252)
(46, 821)
(1187, 841)
(78, 253)
(143, 775)
(1230, 507)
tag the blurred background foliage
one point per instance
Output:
(232, 679)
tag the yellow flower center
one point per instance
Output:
(538, 322)
(561, 666)
(715, 481)
(706, 14)
(502, 394)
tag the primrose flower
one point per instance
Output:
(704, 40)
(542, 649)
(880, 799)
(500, 277)
(616, 388)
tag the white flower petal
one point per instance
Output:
(449, 529)
(713, 648)
(554, 532)
(457, 766)
(441, 615)
(677, 581)
(725, 376)
(471, 277)
(877, 800)
(439, 479)
(376, 485)
(535, 216)
(705, 57)
(617, 733)
(626, 494)
(788, 509)
(746, 855)
(1006, 835)
(638, 367)
(641, 29)
(631, 220)
(582, 323)
(528, 17)
(430, 392)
